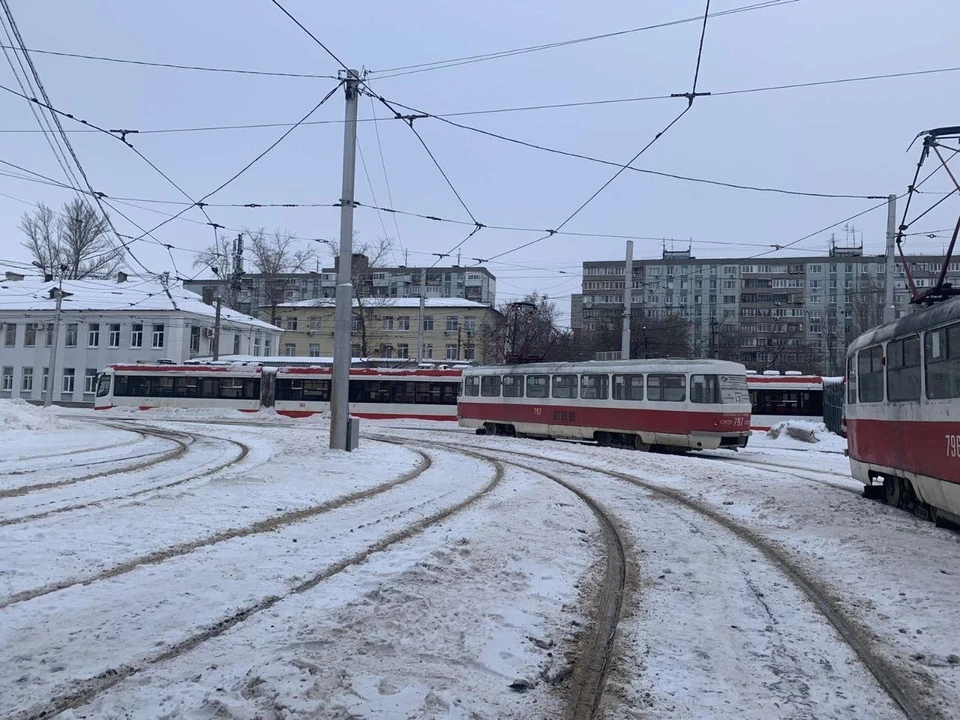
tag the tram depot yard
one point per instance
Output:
(190, 563)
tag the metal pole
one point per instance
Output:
(889, 307)
(423, 301)
(52, 372)
(216, 329)
(340, 390)
(627, 300)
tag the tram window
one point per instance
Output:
(210, 387)
(667, 388)
(373, 391)
(448, 393)
(870, 370)
(903, 369)
(538, 386)
(851, 380)
(403, 392)
(594, 387)
(628, 387)
(161, 387)
(733, 389)
(471, 386)
(942, 360)
(186, 387)
(103, 386)
(513, 386)
(316, 390)
(235, 388)
(704, 389)
(424, 393)
(564, 386)
(490, 386)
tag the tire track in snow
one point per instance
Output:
(84, 691)
(904, 687)
(244, 450)
(177, 452)
(269, 524)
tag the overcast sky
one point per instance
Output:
(844, 138)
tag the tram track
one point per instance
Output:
(83, 691)
(183, 446)
(904, 687)
(8, 467)
(793, 471)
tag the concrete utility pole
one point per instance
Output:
(423, 301)
(889, 307)
(340, 390)
(627, 300)
(216, 329)
(52, 372)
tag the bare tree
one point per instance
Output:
(217, 257)
(667, 337)
(74, 243)
(525, 331)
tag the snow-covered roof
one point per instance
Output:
(297, 360)
(134, 295)
(371, 302)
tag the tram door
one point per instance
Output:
(268, 387)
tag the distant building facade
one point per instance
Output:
(105, 322)
(389, 327)
(768, 314)
(258, 294)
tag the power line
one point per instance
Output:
(386, 178)
(174, 66)
(314, 37)
(470, 59)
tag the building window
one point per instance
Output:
(45, 382)
(291, 323)
(428, 350)
(256, 346)
(266, 347)
(451, 352)
(113, 340)
(93, 335)
(236, 343)
(10, 335)
(26, 379)
(30, 334)
(290, 349)
(136, 336)
(388, 322)
(453, 322)
(403, 322)
(428, 322)
(195, 338)
(49, 333)
(69, 375)
(403, 350)
(157, 336)
(89, 381)
(314, 350)
(6, 380)
(469, 352)
(470, 324)
(72, 331)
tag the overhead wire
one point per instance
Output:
(314, 37)
(386, 177)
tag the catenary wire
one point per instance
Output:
(312, 36)
(386, 177)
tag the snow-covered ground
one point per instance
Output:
(249, 572)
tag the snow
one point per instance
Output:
(805, 431)
(447, 302)
(299, 582)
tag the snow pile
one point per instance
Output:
(804, 430)
(20, 415)
(178, 413)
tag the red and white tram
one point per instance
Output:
(646, 404)
(777, 397)
(903, 411)
(294, 391)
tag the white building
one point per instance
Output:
(104, 322)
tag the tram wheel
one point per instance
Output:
(603, 439)
(491, 428)
(893, 491)
(639, 444)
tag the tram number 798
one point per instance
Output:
(953, 445)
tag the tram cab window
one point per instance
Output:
(704, 389)
(667, 388)
(490, 386)
(513, 386)
(564, 386)
(851, 380)
(538, 386)
(903, 369)
(628, 387)
(870, 370)
(103, 385)
(942, 359)
(594, 387)
(471, 386)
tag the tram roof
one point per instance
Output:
(934, 316)
(604, 366)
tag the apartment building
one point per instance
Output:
(103, 322)
(389, 327)
(798, 312)
(257, 294)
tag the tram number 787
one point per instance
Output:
(953, 445)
